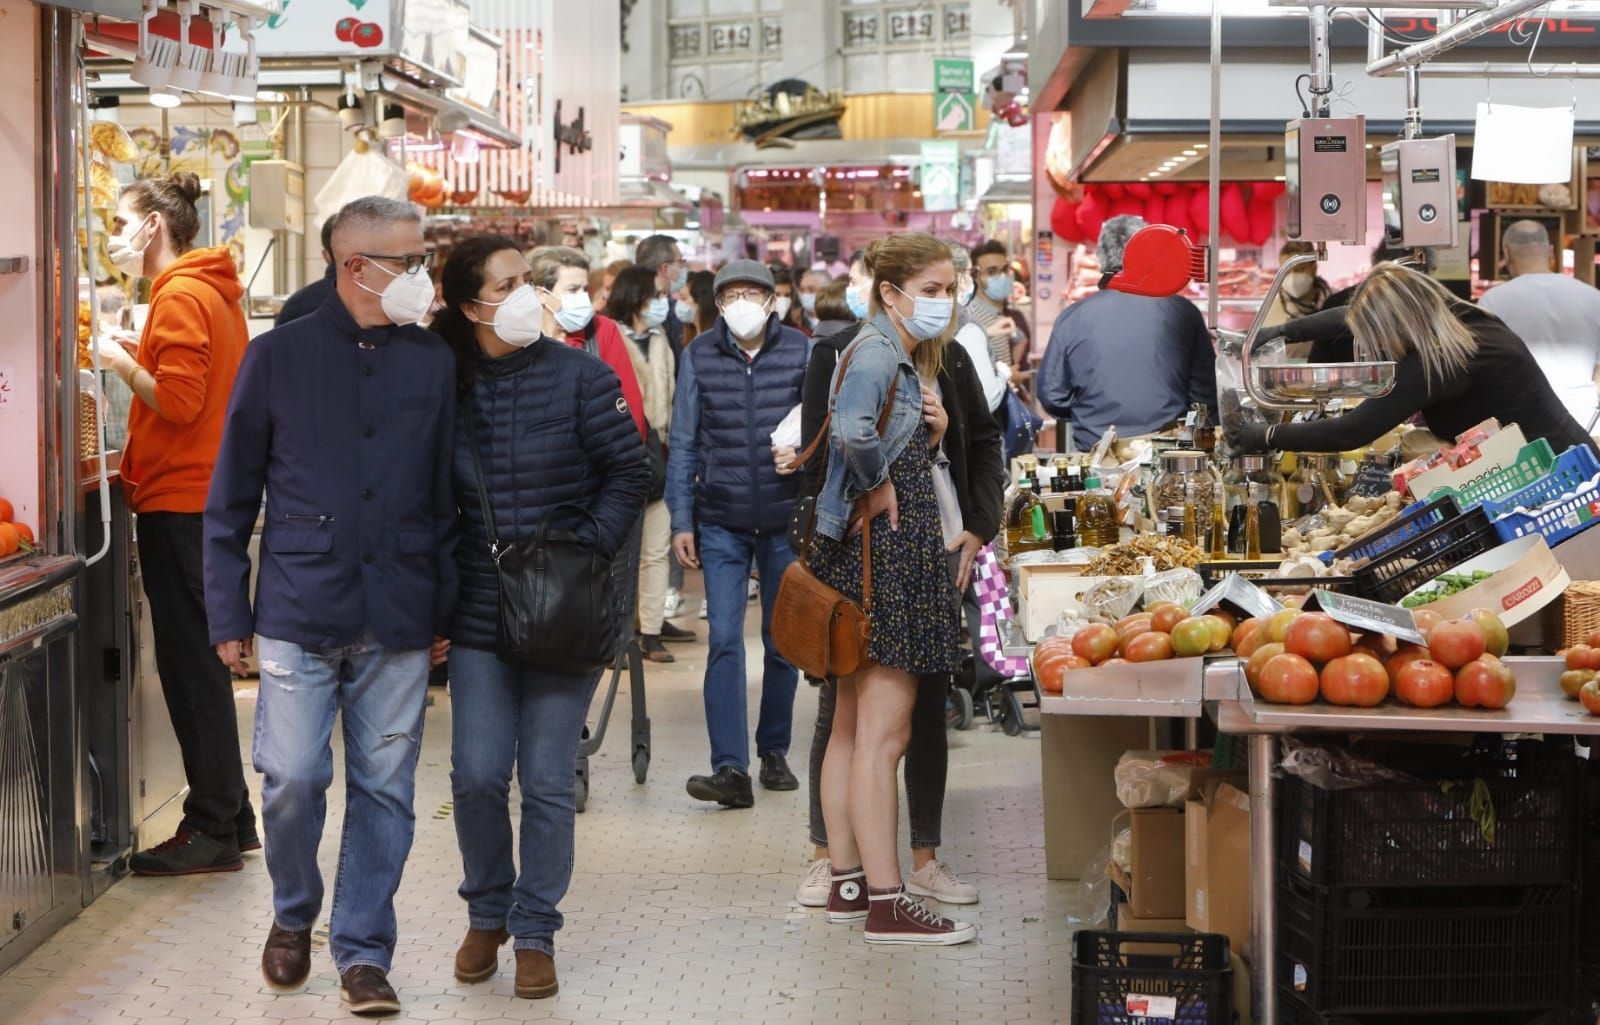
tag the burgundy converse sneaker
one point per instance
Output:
(847, 897)
(896, 917)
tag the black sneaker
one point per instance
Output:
(250, 841)
(187, 854)
(245, 829)
(653, 650)
(676, 634)
(728, 787)
(775, 774)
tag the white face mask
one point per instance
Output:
(782, 305)
(745, 319)
(120, 249)
(577, 309)
(1298, 285)
(407, 298)
(517, 318)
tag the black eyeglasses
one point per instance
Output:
(413, 261)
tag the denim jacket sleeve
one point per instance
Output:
(868, 383)
(683, 448)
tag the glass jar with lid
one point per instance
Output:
(1185, 478)
(1253, 469)
(1315, 484)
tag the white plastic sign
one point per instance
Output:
(1522, 145)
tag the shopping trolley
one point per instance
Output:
(629, 659)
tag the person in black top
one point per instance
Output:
(315, 294)
(972, 442)
(1457, 365)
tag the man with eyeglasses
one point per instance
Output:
(345, 418)
(730, 506)
(661, 254)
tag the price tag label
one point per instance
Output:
(1238, 593)
(1144, 1005)
(1366, 615)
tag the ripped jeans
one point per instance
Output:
(382, 694)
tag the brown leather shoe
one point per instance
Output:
(479, 956)
(286, 959)
(536, 975)
(366, 989)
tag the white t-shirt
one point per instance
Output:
(1559, 319)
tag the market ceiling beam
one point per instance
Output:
(1468, 28)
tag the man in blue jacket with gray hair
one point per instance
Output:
(346, 419)
(730, 506)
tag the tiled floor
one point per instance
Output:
(677, 913)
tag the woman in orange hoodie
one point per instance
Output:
(181, 374)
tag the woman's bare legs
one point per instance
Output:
(837, 766)
(882, 713)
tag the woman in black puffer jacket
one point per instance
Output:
(551, 428)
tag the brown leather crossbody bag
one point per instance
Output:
(821, 631)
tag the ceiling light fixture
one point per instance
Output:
(165, 97)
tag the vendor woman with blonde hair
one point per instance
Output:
(1457, 365)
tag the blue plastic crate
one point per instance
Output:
(1558, 505)
(1412, 521)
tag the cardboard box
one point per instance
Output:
(1045, 590)
(1077, 757)
(1154, 883)
(1526, 578)
(1498, 452)
(1217, 862)
(1127, 921)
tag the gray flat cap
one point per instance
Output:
(744, 272)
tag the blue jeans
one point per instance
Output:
(725, 560)
(504, 715)
(381, 694)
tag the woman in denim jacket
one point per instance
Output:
(887, 480)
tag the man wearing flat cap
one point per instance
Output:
(730, 506)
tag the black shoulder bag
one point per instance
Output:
(556, 609)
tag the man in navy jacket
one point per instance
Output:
(730, 510)
(345, 418)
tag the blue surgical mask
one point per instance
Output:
(684, 310)
(680, 281)
(929, 316)
(998, 287)
(856, 301)
(808, 301)
(656, 313)
(967, 291)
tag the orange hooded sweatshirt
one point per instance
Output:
(194, 338)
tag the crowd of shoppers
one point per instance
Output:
(403, 425)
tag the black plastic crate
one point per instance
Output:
(1355, 951)
(1189, 974)
(1402, 569)
(1293, 1011)
(1589, 901)
(1425, 834)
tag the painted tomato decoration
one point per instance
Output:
(346, 29)
(367, 34)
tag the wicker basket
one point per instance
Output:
(1581, 611)
(88, 426)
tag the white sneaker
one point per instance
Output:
(755, 590)
(813, 891)
(704, 606)
(673, 604)
(935, 881)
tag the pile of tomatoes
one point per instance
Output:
(1162, 631)
(1294, 657)
(1581, 681)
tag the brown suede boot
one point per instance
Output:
(536, 975)
(479, 956)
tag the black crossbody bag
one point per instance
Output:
(556, 610)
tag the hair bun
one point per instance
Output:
(187, 183)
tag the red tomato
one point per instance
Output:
(1358, 681)
(1095, 642)
(1424, 683)
(1317, 636)
(1407, 654)
(1289, 680)
(1590, 696)
(1153, 646)
(1572, 681)
(1426, 620)
(1258, 661)
(1132, 633)
(1593, 640)
(1193, 636)
(1165, 617)
(1485, 682)
(1226, 617)
(1583, 657)
(1118, 661)
(1127, 621)
(1242, 632)
(1050, 662)
(1221, 631)
(1456, 642)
